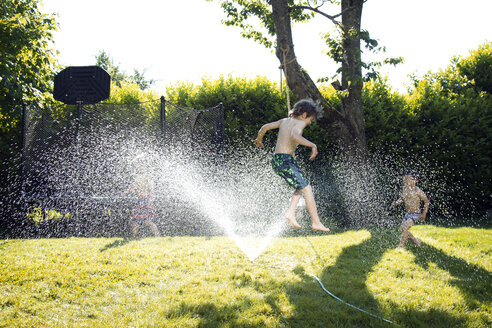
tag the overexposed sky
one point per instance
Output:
(185, 40)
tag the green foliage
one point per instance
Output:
(27, 65)
(477, 67)
(255, 18)
(238, 16)
(118, 76)
(384, 110)
(143, 105)
(104, 61)
(444, 127)
(335, 50)
(208, 281)
(126, 92)
(248, 103)
(127, 106)
(39, 215)
(27, 62)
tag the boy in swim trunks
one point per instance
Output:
(411, 196)
(143, 209)
(284, 164)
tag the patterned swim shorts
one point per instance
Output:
(143, 210)
(286, 166)
(413, 216)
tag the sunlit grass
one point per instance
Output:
(469, 244)
(209, 282)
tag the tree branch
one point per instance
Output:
(330, 17)
(316, 10)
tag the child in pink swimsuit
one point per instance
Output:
(143, 210)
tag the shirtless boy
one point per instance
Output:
(143, 210)
(284, 164)
(411, 196)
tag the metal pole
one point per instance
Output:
(221, 134)
(22, 170)
(77, 127)
(23, 155)
(163, 120)
(78, 159)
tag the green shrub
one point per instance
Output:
(444, 134)
(248, 103)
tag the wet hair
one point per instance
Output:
(308, 106)
(412, 173)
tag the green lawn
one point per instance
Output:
(209, 282)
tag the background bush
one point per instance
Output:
(442, 128)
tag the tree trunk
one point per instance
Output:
(346, 126)
(352, 74)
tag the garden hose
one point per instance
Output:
(342, 301)
(330, 293)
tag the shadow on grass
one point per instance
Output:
(347, 280)
(310, 306)
(211, 316)
(473, 281)
(117, 243)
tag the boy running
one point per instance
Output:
(284, 164)
(411, 196)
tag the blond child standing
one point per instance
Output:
(411, 196)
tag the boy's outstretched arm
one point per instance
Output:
(397, 202)
(296, 135)
(269, 126)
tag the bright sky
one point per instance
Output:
(185, 40)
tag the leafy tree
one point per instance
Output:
(27, 65)
(478, 67)
(104, 61)
(345, 123)
(27, 62)
(468, 76)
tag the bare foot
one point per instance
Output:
(293, 222)
(320, 227)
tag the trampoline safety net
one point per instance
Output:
(75, 157)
